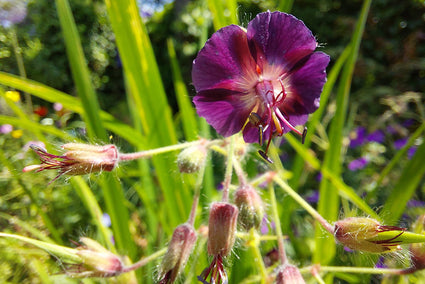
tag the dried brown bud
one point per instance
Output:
(178, 252)
(222, 228)
(289, 274)
(79, 160)
(251, 210)
(368, 235)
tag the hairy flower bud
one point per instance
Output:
(368, 235)
(222, 228)
(190, 159)
(178, 252)
(289, 274)
(250, 205)
(80, 159)
(97, 261)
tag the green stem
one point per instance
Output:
(21, 66)
(150, 153)
(197, 193)
(229, 170)
(275, 214)
(350, 269)
(145, 260)
(255, 241)
(328, 227)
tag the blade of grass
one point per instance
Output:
(112, 191)
(80, 72)
(70, 103)
(148, 96)
(405, 187)
(87, 197)
(223, 12)
(328, 205)
(190, 126)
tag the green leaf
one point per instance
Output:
(186, 110)
(328, 205)
(405, 187)
(80, 72)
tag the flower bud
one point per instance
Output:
(97, 261)
(368, 235)
(191, 159)
(222, 228)
(289, 274)
(250, 205)
(178, 252)
(79, 160)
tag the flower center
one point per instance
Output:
(271, 95)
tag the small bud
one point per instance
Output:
(97, 261)
(222, 228)
(191, 159)
(79, 160)
(289, 274)
(368, 235)
(178, 252)
(250, 205)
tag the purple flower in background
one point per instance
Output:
(312, 197)
(359, 137)
(263, 80)
(358, 164)
(398, 144)
(12, 12)
(411, 151)
(376, 136)
(6, 128)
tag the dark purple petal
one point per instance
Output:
(359, 137)
(304, 86)
(281, 38)
(225, 110)
(411, 151)
(225, 62)
(376, 136)
(398, 144)
(358, 164)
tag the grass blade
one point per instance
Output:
(328, 205)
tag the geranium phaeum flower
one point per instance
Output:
(263, 80)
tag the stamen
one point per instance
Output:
(304, 134)
(265, 157)
(279, 114)
(277, 124)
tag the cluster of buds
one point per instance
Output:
(79, 159)
(367, 234)
(97, 261)
(251, 209)
(221, 238)
(178, 252)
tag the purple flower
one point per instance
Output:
(358, 164)
(12, 12)
(359, 137)
(398, 144)
(411, 151)
(263, 80)
(376, 136)
(6, 128)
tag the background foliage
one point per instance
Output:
(146, 200)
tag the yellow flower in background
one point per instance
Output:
(13, 96)
(17, 133)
